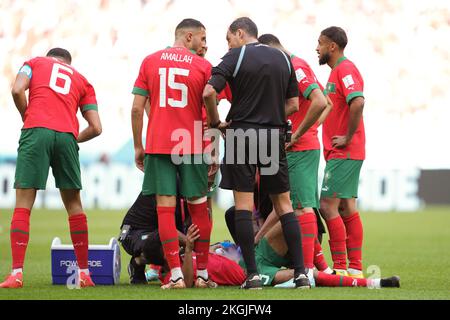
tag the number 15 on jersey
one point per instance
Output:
(169, 81)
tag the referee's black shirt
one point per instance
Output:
(143, 216)
(260, 83)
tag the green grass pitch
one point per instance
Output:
(414, 246)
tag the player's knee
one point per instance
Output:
(197, 200)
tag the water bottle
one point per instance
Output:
(288, 134)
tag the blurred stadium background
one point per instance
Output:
(401, 47)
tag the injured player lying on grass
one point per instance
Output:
(226, 267)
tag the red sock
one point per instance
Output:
(20, 234)
(319, 260)
(354, 229)
(308, 227)
(169, 235)
(332, 280)
(200, 217)
(79, 234)
(336, 229)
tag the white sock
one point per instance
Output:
(328, 270)
(16, 271)
(176, 273)
(203, 274)
(86, 271)
(374, 283)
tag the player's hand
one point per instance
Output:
(223, 126)
(288, 146)
(212, 169)
(139, 155)
(339, 142)
(193, 234)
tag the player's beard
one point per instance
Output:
(323, 59)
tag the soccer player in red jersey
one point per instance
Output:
(304, 149)
(344, 149)
(50, 139)
(173, 80)
(221, 269)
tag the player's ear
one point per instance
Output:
(189, 36)
(333, 46)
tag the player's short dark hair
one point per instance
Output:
(246, 24)
(189, 24)
(60, 53)
(269, 39)
(152, 249)
(337, 35)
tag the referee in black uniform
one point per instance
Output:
(265, 91)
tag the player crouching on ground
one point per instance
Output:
(140, 239)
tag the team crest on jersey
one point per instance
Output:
(348, 81)
(331, 87)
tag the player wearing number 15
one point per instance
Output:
(173, 80)
(50, 139)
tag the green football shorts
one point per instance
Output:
(341, 179)
(268, 262)
(161, 175)
(40, 149)
(303, 169)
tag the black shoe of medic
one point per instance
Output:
(302, 282)
(252, 282)
(392, 282)
(136, 272)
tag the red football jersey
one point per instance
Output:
(344, 84)
(307, 82)
(221, 270)
(174, 79)
(56, 92)
(225, 94)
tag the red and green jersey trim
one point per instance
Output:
(310, 88)
(140, 91)
(340, 61)
(88, 107)
(353, 95)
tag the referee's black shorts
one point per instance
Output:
(263, 149)
(133, 243)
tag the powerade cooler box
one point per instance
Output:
(104, 262)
